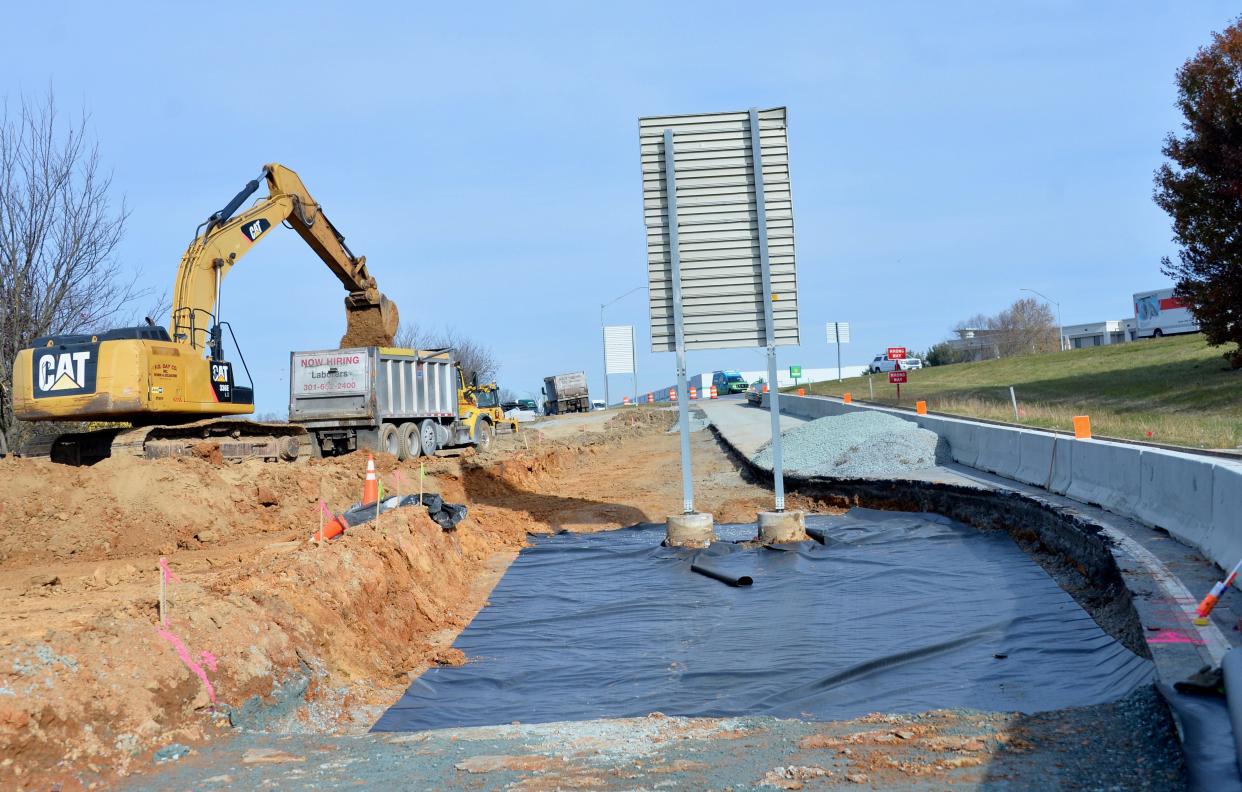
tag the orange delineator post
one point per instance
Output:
(846, 398)
(370, 487)
(714, 393)
(920, 407)
(1082, 427)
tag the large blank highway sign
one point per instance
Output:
(721, 284)
(619, 349)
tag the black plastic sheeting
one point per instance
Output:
(1207, 740)
(896, 612)
(446, 515)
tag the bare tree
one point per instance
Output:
(1025, 328)
(475, 358)
(409, 336)
(58, 236)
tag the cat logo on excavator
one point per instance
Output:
(64, 372)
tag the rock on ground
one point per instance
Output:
(855, 445)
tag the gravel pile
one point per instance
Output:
(854, 445)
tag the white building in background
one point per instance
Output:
(1093, 334)
(975, 343)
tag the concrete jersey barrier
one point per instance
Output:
(1197, 499)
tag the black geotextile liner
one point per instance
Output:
(897, 612)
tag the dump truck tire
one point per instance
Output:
(484, 433)
(427, 437)
(389, 440)
(411, 448)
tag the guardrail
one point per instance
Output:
(1195, 497)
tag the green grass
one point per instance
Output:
(1173, 390)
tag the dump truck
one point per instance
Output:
(566, 393)
(404, 402)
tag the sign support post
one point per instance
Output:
(603, 334)
(765, 269)
(838, 335)
(674, 255)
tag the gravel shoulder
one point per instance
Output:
(1125, 745)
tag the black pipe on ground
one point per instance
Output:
(723, 577)
(818, 535)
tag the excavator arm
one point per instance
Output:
(371, 319)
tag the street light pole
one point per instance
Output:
(604, 342)
(1060, 325)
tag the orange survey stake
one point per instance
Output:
(1218, 590)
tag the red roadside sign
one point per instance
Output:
(896, 377)
(896, 353)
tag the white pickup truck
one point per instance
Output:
(880, 364)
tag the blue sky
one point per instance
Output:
(485, 158)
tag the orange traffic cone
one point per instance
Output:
(370, 487)
(651, 398)
(331, 529)
(694, 392)
(715, 395)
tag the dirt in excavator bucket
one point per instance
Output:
(370, 325)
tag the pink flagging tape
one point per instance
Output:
(194, 667)
(169, 575)
(1173, 637)
(323, 507)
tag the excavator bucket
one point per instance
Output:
(370, 324)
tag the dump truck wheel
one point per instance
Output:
(427, 436)
(411, 448)
(390, 441)
(484, 433)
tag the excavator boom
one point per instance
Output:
(371, 319)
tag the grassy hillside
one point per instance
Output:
(1171, 390)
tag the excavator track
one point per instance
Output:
(238, 441)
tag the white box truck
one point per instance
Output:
(1158, 313)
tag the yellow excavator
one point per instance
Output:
(174, 387)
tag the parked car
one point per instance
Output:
(754, 393)
(598, 404)
(728, 382)
(880, 364)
